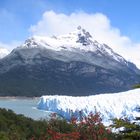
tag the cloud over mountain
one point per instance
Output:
(98, 24)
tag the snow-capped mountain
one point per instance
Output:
(3, 52)
(73, 64)
(117, 105)
(75, 46)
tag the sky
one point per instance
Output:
(114, 22)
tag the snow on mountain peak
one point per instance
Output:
(3, 52)
(80, 41)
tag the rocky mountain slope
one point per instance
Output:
(72, 64)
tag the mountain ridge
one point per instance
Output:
(74, 64)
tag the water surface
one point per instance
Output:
(25, 106)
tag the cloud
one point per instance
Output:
(10, 46)
(98, 24)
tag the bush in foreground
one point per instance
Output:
(88, 128)
(126, 130)
(18, 127)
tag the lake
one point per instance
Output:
(25, 106)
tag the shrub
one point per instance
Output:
(136, 86)
(18, 127)
(88, 128)
(126, 129)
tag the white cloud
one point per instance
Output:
(10, 46)
(97, 24)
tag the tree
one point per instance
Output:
(126, 130)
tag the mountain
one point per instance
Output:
(72, 64)
(117, 105)
(3, 52)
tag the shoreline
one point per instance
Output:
(18, 97)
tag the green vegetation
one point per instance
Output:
(18, 127)
(136, 86)
(127, 130)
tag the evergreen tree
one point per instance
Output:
(126, 130)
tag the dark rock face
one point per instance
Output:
(43, 75)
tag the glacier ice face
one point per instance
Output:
(118, 105)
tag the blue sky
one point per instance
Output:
(16, 16)
(114, 22)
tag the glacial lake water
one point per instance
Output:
(25, 106)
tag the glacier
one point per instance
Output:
(116, 105)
